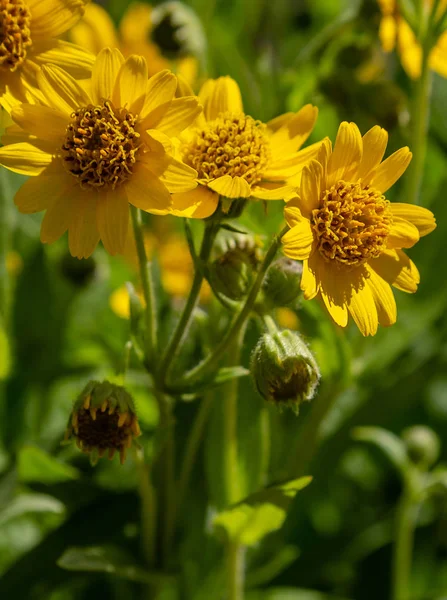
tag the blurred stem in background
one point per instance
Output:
(236, 569)
(5, 233)
(404, 540)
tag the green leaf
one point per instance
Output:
(30, 503)
(290, 594)
(233, 229)
(36, 465)
(252, 519)
(281, 559)
(391, 445)
(107, 559)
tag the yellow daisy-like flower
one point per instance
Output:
(90, 155)
(395, 31)
(237, 156)
(348, 235)
(97, 31)
(28, 29)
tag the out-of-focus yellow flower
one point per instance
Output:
(14, 263)
(134, 36)
(91, 155)
(28, 29)
(238, 157)
(287, 318)
(394, 32)
(349, 236)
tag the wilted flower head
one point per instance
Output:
(103, 420)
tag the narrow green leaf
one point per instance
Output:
(391, 445)
(36, 465)
(30, 503)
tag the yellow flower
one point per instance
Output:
(394, 30)
(238, 157)
(97, 31)
(28, 29)
(91, 155)
(349, 235)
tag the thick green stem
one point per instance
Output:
(181, 330)
(403, 545)
(148, 510)
(213, 360)
(148, 288)
(235, 571)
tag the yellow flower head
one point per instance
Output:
(395, 31)
(90, 155)
(27, 32)
(349, 235)
(237, 156)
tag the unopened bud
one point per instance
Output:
(281, 285)
(177, 30)
(423, 445)
(103, 420)
(284, 369)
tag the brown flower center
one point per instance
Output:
(232, 144)
(15, 19)
(352, 224)
(101, 145)
(101, 432)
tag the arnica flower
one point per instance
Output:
(90, 155)
(138, 33)
(349, 235)
(237, 156)
(395, 31)
(28, 29)
(103, 420)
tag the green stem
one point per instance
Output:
(403, 545)
(148, 288)
(148, 509)
(212, 361)
(270, 324)
(181, 330)
(235, 571)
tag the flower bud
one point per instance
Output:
(423, 445)
(281, 285)
(284, 369)
(103, 420)
(177, 30)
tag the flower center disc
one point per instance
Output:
(102, 432)
(101, 145)
(352, 224)
(232, 144)
(15, 38)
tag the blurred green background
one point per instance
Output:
(59, 330)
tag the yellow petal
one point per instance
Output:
(112, 217)
(374, 145)
(77, 61)
(289, 169)
(363, 310)
(294, 132)
(43, 122)
(197, 204)
(60, 89)
(160, 91)
(387, 33)
(180, 113)
(383, 298)
(24, 158)
(346, 156)
(231, 187)
(95, 31)
(335, 291)
(136, 23)
(58, 215)
(131, 82)
(36, 193)
(403, 234)
(105, 71)
(309, 283)
(311, 178)
(53, 17)
(421, 217)
(391, 169)
(272, 191)
(175, 175)
(220, 95)
(83, 235)
(397, 269)
(146, 191)
(298, 240)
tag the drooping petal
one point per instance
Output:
(160, 90)
(391, 169)
(397, 269)
(309, 284)
(374, 145)
(83, 234)
(363, 310)
(403, 234)
(294, 132)
(146, 191)
(43, 122)
(60, 89)
(231, 187)
(420, 217)
(383, 298)
(37, 193)
(112, 217)
(197, 204)
(220, 95)
(58, 215)
(24, 158)
(335, 291)
(298, 241)
(105, 71)
(346, 155)
(53, 17)
(131, 83)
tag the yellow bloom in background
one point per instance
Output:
(349, 236)
(238, 157)
(89, 156)
(136, 34)
(395, 31)
(28, 29)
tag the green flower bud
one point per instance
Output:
(284, 369)
(281, 285)
(423, 445)
(103, 420)
(177, 30)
